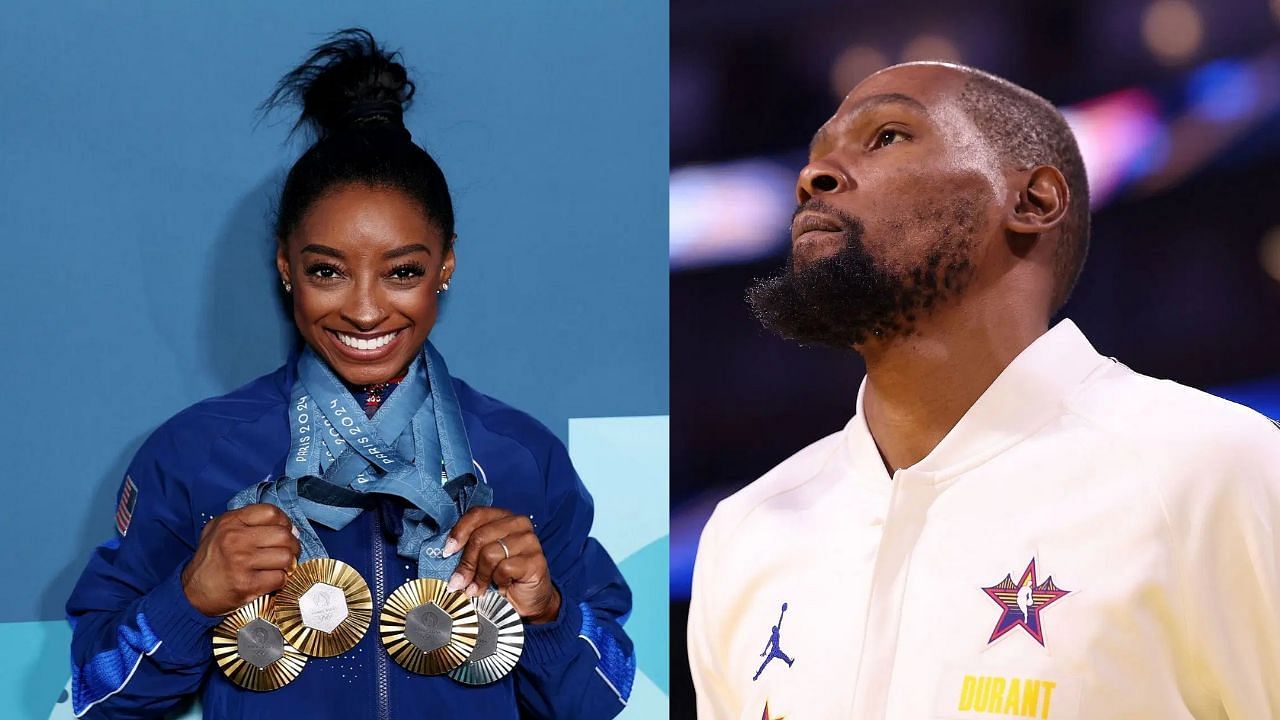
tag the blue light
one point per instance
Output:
(1222, 91)
(1153, 155)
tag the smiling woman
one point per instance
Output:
(358, 482)
(365, 293)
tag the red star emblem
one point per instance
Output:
(1022, 602)
(767, 716)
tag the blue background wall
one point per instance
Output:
(136, 192)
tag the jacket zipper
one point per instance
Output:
(379, 596)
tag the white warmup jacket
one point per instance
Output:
(1086, 544)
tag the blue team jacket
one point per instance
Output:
(139, 648)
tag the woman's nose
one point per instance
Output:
(365, 307)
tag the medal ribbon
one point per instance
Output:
(339, 457)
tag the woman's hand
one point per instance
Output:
(243, 554)
(519, 570)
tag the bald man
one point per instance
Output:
(1011, 525)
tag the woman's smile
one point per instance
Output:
(365, 347)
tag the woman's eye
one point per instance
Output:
(888, 137)
(408, 272)
(323, 271)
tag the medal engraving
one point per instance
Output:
(428, 627)
(323, 607)
(260, 643)
(486, 640)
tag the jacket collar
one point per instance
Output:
(1027, 394)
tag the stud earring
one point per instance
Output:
(288, 286)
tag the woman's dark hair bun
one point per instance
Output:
(353, 95)
(348, 81)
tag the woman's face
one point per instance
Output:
(365, 264)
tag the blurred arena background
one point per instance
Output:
(1174, 103)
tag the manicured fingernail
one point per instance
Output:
(455, 582)
(473, 590)
(450, 547)
(294, 530)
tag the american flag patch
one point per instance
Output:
(124, 511)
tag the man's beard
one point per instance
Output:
(846, 298)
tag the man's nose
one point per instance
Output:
(820, 177)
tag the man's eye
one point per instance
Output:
(888, 137)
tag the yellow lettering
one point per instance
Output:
(1015, 694)
(1013, 697)
(1048, 693)
(1030, 696)
(967, 689)
(980, 697)
(996, 697)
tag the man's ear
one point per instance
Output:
(1042, 202)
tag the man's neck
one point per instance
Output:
(918, 387)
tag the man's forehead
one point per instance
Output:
(929, 84)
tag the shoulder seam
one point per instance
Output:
(204, 467)
(742, 517)
(541, 469)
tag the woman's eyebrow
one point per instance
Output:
(389, 255)
(406, 250)
(323, 250)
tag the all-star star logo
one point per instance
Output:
(1021, 602)
(767, 716)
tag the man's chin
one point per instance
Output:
(796, 308)
(810, 248)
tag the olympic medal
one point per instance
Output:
(498, 644)
(324, 607)
(251, 650)
(427, 629)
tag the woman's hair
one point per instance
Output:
(353, 95)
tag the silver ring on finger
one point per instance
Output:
(505, 550)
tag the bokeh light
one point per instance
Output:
(931, 47)
(1269, 252)
(1172, 30)
(852, 65)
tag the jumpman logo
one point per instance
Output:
(772, 649)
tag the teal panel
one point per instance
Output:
(650, 624)
(33, 666)
(624, 462)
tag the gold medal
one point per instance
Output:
(427, 629)
(250, 649)
(498, 644)
(324, 607)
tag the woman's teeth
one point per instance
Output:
(369, 344)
